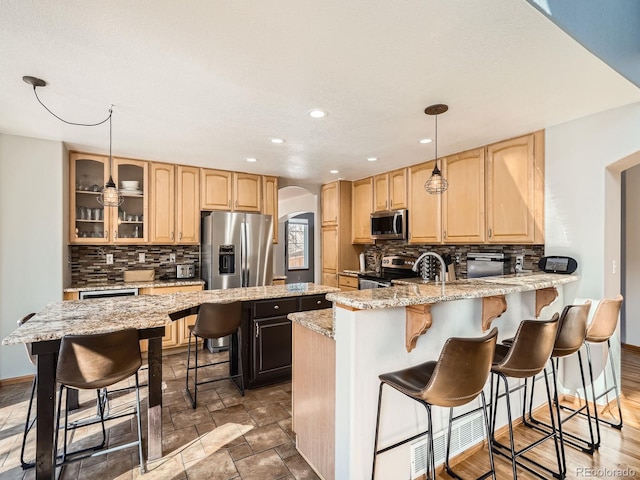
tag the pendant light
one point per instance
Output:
(436, 184)
(110, 196)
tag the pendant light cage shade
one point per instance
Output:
(436, 184)
(110, 196)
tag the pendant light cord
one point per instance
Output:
(74, 123)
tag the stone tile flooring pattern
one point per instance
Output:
(226, 437)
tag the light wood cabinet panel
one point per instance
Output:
(330, 249)
(329, 279)
(463, 215)
(188, 205)
(216, 189)
(361, 211)
(398, 189)
(424, 208)
(129, 222)
(347, 283)
(515, 190)
(270, 202)
(390, 190)
(330, 202)
(162, 204)
(85, 171)
(247, 192)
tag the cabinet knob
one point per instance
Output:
(180, 236)
(276, 307)
(318, 302)
(236, 203)
(489, 233)
(257, 330)
(115, 234)
(106, 234)
(171, 236)
(445, 234)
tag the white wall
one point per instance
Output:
(32, 246)
(584, 159)
(631, 334)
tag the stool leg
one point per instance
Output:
(431, 471)
(485, 416)
(240, 372)
(591, 446)
(375, 441)
(562, 462)
(593, 394)
(514, 465)
(101, 407)
(191, 397)
(617, 425)
(139, 422)
(27, 427)
(55, 436)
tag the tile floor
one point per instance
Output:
(227, 437)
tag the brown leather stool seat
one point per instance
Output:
(572, 330)
(602, 327)
(457, 378)
(94, 362)
(215, 320)
(525, 357)
(29, 422)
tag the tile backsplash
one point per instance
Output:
(89, 267)
(532, 253)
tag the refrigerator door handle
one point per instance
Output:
(243, 254)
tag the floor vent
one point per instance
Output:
(464, 434)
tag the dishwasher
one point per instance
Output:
(116, 292)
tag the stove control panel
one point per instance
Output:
(398, 262)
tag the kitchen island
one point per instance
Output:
(149, 315)
(387, 329)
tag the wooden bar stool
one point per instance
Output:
(215, 320)
(525, 357)
(94, 362)
(457, 378)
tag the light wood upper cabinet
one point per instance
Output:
(215, 189)
(463, 216)
(247, 190)
(330, 203)
(515, 189)
(390, 190)
(362, 197)
(130, 220)
(270, 202)
(188, 205)
(162, 204)
(424, 208)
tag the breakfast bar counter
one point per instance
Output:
(148, 314)
(388, 329)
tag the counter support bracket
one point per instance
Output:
(417, 323)
(492, 308)
(544, 297)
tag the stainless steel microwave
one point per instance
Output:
(389, 225)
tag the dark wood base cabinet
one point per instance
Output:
(266, 338)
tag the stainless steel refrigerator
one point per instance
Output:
(237, 250)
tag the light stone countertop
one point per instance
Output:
(414, 292)
(320, 321)
(178, 282)
(104, 315)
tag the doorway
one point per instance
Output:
(299, 248)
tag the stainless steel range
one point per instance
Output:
(393, 267)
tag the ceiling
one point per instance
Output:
(208, 83)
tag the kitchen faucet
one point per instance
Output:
(443, 269)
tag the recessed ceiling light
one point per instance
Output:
(276, 140)
(426, 140)
(334, 171)
(315, 113)
(252, 160)
(372, 159)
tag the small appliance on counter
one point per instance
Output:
(487, 264)
(558, 264)
(185, 271)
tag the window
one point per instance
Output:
(298, 244)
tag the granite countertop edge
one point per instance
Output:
(319, 321)
(105, 315)
(404, 295)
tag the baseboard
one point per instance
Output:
(14, 380)
(631, 348)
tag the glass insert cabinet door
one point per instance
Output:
(130, 219)
(89, 220)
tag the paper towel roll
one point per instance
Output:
(362, 263)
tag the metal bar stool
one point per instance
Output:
(457, 378)
(571, 334)
(94, 362)
(600, 330)
(525, 357)
(29, 423)
(215, 320)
